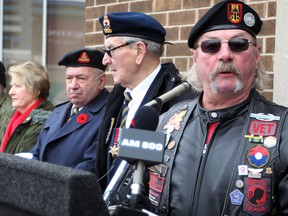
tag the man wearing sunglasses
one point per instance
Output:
(133, 46)
(228, 149)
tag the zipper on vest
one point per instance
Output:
(202, 165)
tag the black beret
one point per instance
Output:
(2, 75)
(132, 24)
(84, 58)
(226, 14)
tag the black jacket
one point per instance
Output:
(167, 79)
(236, 173)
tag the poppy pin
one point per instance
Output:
(82, 118)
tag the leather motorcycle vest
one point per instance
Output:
(257, 167)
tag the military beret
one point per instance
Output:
(2, 75)
(132, 24)
(228, 14)
(84, 58)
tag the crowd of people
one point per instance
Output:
(226, 150)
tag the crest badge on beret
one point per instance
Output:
(83, 58)
(106, 25)
(249, 19)
(234, 12)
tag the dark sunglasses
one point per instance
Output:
(109, 50)
(235, 44)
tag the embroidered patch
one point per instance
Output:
(234, 12)
(258, 156)
(83, 58)
(262, 128)
(257, 196)
(236, 197)
(156, 185)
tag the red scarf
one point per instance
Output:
(15, 121)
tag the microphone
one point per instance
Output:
(142, 142)
(169, 95)
(145, 120)
(141, 146)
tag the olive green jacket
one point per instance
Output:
(26, 134)
(5, 113)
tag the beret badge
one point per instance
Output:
(83, 58)
(234, 13)
(106, 24)
(249, 19)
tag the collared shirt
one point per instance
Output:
(73, 106)
(138, 93)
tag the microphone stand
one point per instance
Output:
(136, 192)
(136, 187)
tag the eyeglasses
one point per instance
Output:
(109, 50)
(235, 44)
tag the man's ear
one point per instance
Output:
(194, 54)
(102, 81)
(141, 51)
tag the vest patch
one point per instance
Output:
(263, 128)
(258, 156)
(257, 196)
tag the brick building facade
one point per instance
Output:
(178, 16)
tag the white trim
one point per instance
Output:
(281, 55)
(44, 32)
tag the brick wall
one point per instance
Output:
(178, 16)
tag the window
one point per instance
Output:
(23, 36)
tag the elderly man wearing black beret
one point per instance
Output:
(133, 46)
(69, 137)
(228, 149)
(5, 102)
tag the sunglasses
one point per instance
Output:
(235, 45)
(109, 50)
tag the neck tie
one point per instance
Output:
(73, 113)
(125, 109)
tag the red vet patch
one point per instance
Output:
(258, 128)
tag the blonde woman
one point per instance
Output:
(29, 90)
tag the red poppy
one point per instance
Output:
(82, 118)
